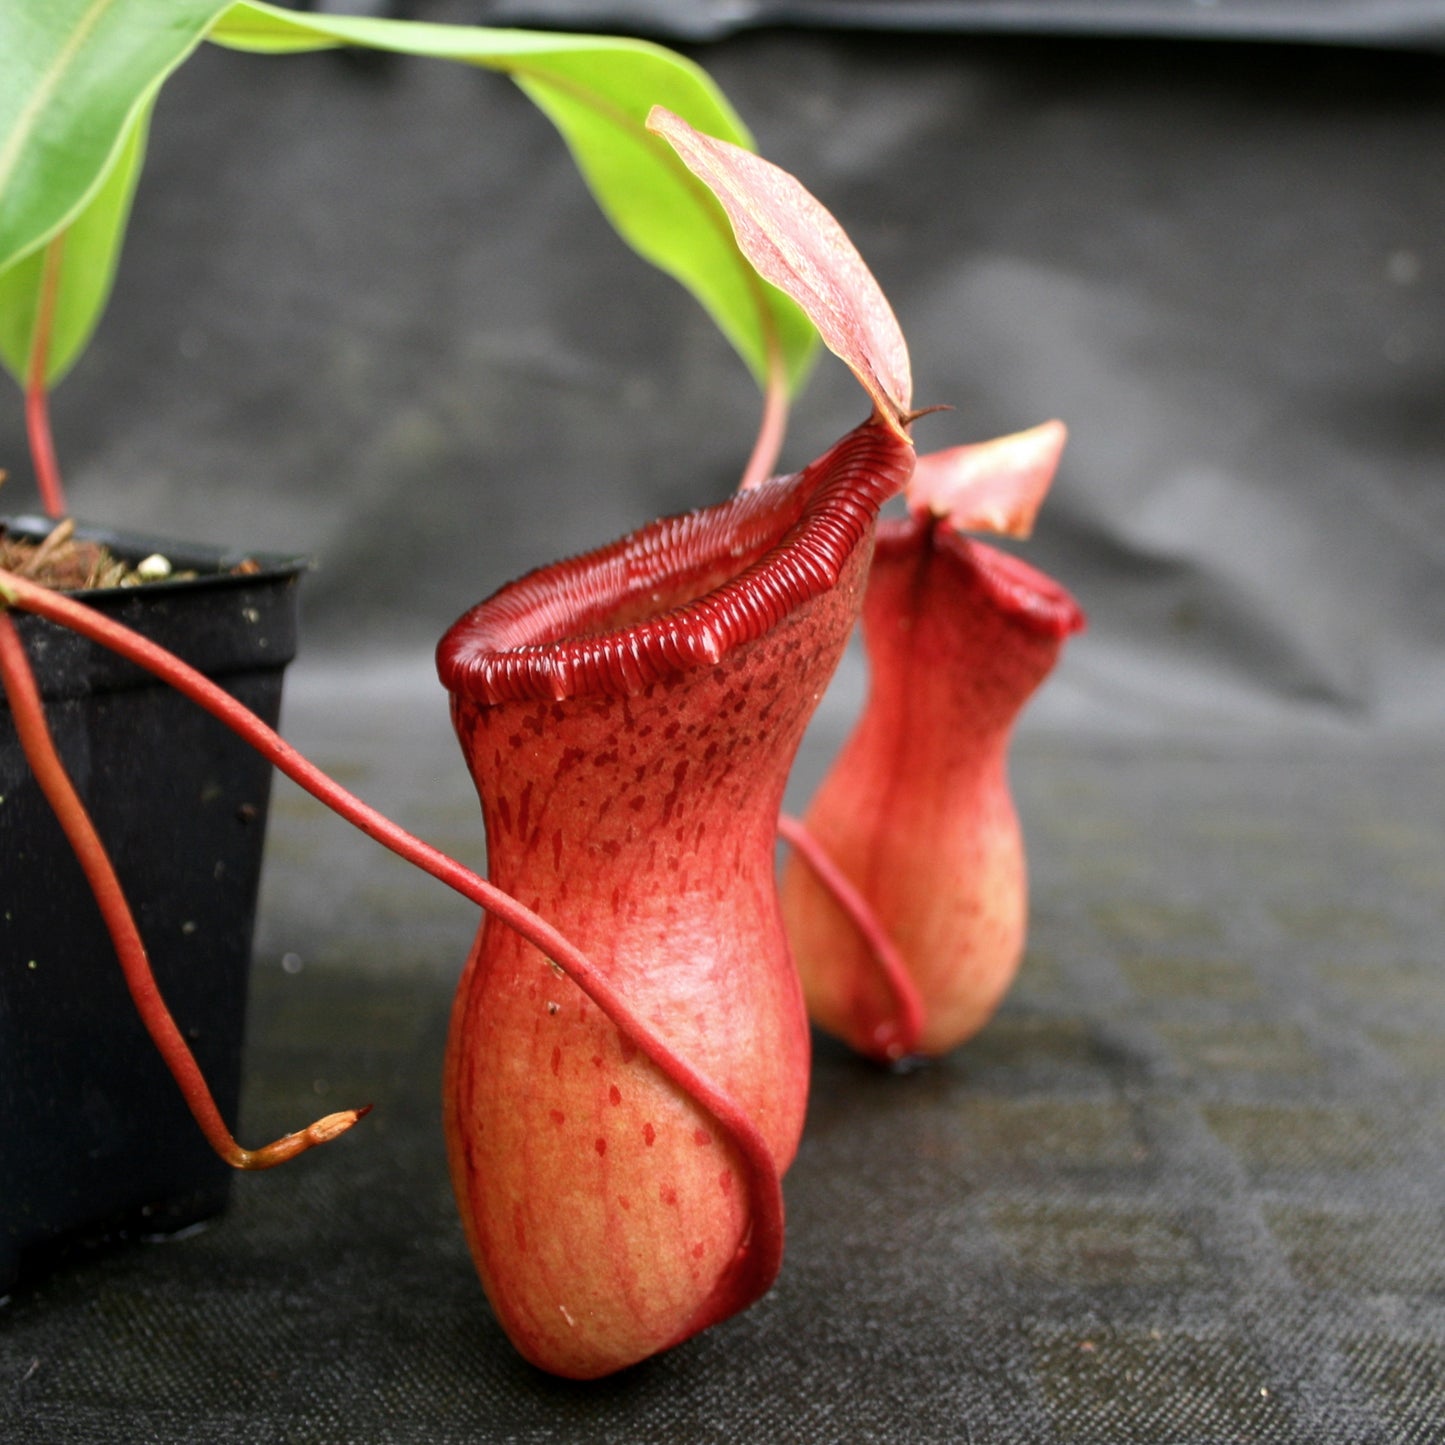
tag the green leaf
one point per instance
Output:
(78, 76)
(657, 208)
(88, 249)
(74, 74)
(79, 80)
(598, 91)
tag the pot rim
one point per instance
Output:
(215, 564)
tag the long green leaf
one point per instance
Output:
(77, 78)
(598, 91)
(73, 76)
(90, 248)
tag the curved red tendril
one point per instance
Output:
(897, 1037)
(38, 745)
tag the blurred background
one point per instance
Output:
(368, 312)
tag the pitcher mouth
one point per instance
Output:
(680, 593)
(1019, 590)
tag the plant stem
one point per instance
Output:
(37, 392)
(898, 1037)
(774, 423)
(90, 852)
(760, 1255)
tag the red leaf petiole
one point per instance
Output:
(37, 391)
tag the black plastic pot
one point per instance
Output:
(95, 1141)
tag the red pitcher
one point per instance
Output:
(629, 718)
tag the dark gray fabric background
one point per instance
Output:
(1188, 1187)
(1355, 22)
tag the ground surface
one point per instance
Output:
(1187, 1187)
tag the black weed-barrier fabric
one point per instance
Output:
(1187, 1187)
